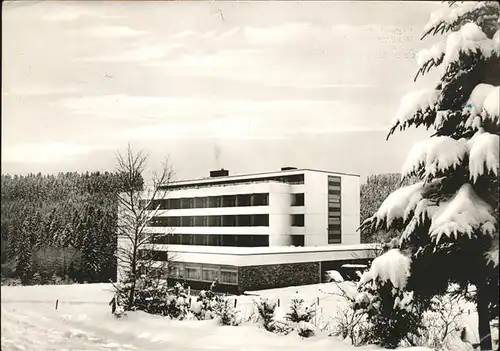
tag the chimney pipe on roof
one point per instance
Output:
(219, 173)
(288, 168)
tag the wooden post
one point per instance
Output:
(57, 303)
(235, 302)
(278, 302)
(318, 300)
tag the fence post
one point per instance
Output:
(278, 302)
(235, 302)
(57, 303)
(318, 300)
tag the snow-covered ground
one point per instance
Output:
(83, 322)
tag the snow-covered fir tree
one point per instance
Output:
(449, 218)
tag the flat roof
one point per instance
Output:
(254, 175)
(264, 250)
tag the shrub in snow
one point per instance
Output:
(449, 220)
(177, 302)
(266, 309)
(226, 312)
(306, 329)
(204, 305)
(299, 311)
(119, 312)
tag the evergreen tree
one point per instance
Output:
(25, 254)
(449, 220)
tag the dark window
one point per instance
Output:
(244, 200)
(200, 202)
(298, 240)
(214, 240)
(244, 221)
(334, 210)
(200, 239)
(187, 203)
(200, 221)
(260, 220)
(297, 220)
(174, 204)
(229, 240)
(187, 221)
(297, 199)
(229, 221)
(187, 239)
(214, 221)
(175, 239)
(214, 201)
(229, 201)
(260, 199)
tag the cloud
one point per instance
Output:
(112, 32)
(61, 12)
(35, 90)
(142, 54)
(43, 152)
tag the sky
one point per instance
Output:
(246, 86)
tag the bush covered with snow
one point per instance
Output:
(226, 312)
(266, 309)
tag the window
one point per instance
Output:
(187, 239)
(175, 239)
(229, 221)
(187, 221)
(174, 204)
(228, 276)
(214, 201)
(229, 201)
(297, 199)
(159, 239)
(200, 221)
(229, 240)
(214, 221)
(297, 220)
(200, 239)
(260, 199)
(201, 202)
(176, 270)
(210, 274)
(192, 272)
(214, 240)
(334, 210)
(298, 240)
(244, 221)
(260, 220)
(244, 200)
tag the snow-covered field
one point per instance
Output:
(83, 322)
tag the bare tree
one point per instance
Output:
(137, 205)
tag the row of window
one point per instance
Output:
(334, 210)
(211, 240)
(256, 220)
(198, 272)
(298, 199)
(242, 200)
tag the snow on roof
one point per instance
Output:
(465, 213)
(411, 103)
(392, 266)
(225, 250)
(435, 154)
(484, 151)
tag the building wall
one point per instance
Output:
(277, 275)
(350, 210)
(316, 209)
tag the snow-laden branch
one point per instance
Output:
(483, 104)
(483, 154)
(439, 154)
(465, 213)
(397, 205)
(392, 266)
(436, 154)
(446, 18)
(414, 107)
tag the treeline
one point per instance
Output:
(59, 227)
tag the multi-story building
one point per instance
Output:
(284, 223)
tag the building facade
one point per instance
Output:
(285, 210)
